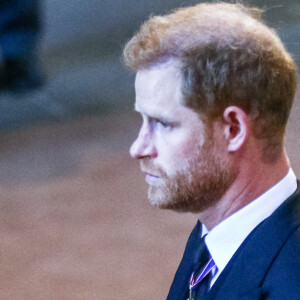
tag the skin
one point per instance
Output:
(211, 170)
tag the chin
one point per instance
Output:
(156, 197)
(197, 201)
(165, 200)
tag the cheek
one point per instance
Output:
(176, 158)
(177, 150)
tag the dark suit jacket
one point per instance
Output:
(266, 265)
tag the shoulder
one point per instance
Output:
(283, 278)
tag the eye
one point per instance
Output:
(162, 124)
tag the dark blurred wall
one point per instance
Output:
(106, 20)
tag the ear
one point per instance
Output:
(236, 128)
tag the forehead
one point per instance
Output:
(152, 79)
(159, 88)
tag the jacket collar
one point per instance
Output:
(248, 267)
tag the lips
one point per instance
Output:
(151, 175)
(149, 172)
(152, 179)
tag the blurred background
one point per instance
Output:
(74, 219)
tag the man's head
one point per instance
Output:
(209, 64)
(177, 151)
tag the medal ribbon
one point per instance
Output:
(206, 270)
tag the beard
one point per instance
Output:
(201, 183)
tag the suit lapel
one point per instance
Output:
(247, 269)
(254, 294)
(179, 287)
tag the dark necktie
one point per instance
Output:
(203, 264)
(193, 258)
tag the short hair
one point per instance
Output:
(227, 56)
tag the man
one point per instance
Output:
(19, 33)
(214, 87)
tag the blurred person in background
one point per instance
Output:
(20, 26)
(214, 87)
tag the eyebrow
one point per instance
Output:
(155, 116)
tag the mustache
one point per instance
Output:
(148, 167)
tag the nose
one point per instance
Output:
(143, 146)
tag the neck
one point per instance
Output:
(252, 181)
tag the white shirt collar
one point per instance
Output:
(224, 239)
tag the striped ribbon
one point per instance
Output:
(205, 271)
